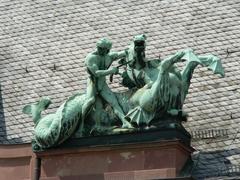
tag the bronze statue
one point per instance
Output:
(157, 90)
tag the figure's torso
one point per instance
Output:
(102, 63)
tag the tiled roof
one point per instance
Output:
(43, 45)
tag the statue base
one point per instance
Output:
(135, 156)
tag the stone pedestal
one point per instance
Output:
(140, 160)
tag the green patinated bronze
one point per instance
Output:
(53, 129)
(157, 90)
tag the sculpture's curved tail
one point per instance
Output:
(47, 131)
(55, 128)
(44, 134)
(36, 109)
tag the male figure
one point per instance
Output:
(98, 63)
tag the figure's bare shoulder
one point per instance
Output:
(91, 59)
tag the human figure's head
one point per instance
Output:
(103, 46)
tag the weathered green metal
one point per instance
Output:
(97, 64)
(157, 90)
(53, 129)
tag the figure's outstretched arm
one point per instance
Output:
(117, 55)
(94, 70)
(100, 73)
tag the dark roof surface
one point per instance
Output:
(43, 45)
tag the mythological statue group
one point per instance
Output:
(154, 99)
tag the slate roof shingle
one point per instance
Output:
(37, 36)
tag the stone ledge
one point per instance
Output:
(161, 159)
(126, 139)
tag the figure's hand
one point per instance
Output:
(115, 70)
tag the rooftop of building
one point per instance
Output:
(43, 45)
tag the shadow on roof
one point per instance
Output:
(2, 119)
(216, 163)
(3, 131)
